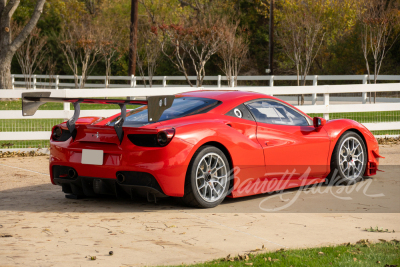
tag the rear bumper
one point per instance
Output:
(167, 165)
(91, 186)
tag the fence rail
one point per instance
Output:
(326, 108)
(55, 80)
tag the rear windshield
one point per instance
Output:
(181, 107)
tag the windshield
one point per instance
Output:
(181, 107)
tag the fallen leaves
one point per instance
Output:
(5, 235)
(15, 154)
(389, 140)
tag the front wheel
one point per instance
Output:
(208, 177)
(349, 159)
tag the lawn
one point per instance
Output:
(361, 254)
(17, 105)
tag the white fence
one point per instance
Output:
(56, 81)
(326, 107)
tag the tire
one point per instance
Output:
(208, 192)
(349, 159)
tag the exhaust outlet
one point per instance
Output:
(120, 178)
(72, 173)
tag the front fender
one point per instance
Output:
(336, 128)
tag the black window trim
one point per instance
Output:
(310, 123)
(248, 110)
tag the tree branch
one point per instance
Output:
(19, 40)
(10, 8)
(184, 3)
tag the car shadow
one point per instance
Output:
(50, 198)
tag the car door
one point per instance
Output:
(240, 119)
(290, 142)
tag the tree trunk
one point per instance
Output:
(5, 73)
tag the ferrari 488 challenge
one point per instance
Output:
(202, 146)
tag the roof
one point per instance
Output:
(224, 95)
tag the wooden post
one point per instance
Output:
(34, 82)
(164, 82)
(314, 96)
(326, 103)
(57, 81)
(364, 94)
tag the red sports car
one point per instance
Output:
(202, 146)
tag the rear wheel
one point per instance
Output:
(349, 159)
(207, 179)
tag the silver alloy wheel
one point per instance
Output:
(351, 158)
(211, 177)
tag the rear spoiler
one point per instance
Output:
(31, 101)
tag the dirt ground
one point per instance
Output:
(40, 227)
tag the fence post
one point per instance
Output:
(67, 108)
(106, 82)
(271, 81)
(79, 81)
(13, 81)
(326, 103)
(164, 81)
(57, 81)
(364, 94)
(133, 81)
(34, 82)
(314, 96)
(219, 81)
(232, 81)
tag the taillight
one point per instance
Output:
(160, 139)
(165, 136)
(57, 132)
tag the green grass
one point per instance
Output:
(364, 117)
(25, 144)
(17, 105)
(28, 125)
(362, 254)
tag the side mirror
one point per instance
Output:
(318, 122)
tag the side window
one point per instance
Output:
(242, 112)
(273, 112)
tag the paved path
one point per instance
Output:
(49, 230)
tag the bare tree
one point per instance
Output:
(377, 18)
(301, 33)
(148, 52)
(51, 65)
(68, 44)
(9, 46)
(31, 54)
(79, 43)
(199, 39)
(110, 47)
(233, 50)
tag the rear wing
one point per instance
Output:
(31, 101)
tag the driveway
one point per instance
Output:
(40, 227)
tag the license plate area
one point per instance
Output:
(92, 157)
